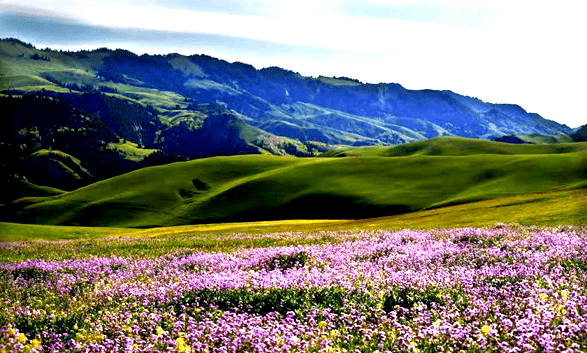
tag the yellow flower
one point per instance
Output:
(485, 329)
(322, 324)
(21, 338)
(542, 296)
(36, 343)
(75, 327)
(159, 331)
(412, 345)
(564, 293)
(181, 346)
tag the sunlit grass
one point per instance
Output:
(131, 151)
(568, 207)
(456, 146)
(261, 188)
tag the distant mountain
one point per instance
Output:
(580, 135)
(330, 110)
(84, 116)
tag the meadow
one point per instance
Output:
(265, 188)
(443, 245)
(501, 288)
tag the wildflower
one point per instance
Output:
(36, 343)
(21, 338)
(485, 329)
(542, 296)
(181, 346)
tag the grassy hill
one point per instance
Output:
(455, 146)
(566, 207)
(262, 187)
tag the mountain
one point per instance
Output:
(329, 110)
(79, 117)
(580, 135)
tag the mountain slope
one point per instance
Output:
(455, 146)
(257, 187)
(278, 101)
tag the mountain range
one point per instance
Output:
(75, 118)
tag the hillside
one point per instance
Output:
(255, 188)
(456, 146)
(580, 135)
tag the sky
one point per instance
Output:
(530, 53)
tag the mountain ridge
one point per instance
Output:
(265, 95)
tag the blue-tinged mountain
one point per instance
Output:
(330, 110)
(282, 102)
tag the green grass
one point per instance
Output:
(24, 75)
(555, 208)
(30, 189)
(456, 146)
(261, 188)
(131, 151)
(25, 232)
(537, 138)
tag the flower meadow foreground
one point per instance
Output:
(506, 288)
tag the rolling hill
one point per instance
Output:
(261, 187)
(455, 146)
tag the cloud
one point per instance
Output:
(500, 51)
(67, 33)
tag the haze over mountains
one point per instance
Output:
(89, 115)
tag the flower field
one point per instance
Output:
(505, 288)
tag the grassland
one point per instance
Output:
(261, 188)
(130, 150)
(456, 146)
(567, 207)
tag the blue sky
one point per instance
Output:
(502, 51)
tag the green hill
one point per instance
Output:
(262, 187)
(455, 146)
